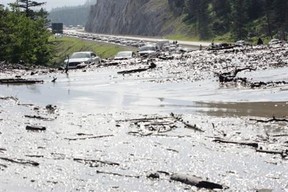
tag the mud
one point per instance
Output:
(110, 132)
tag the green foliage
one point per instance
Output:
(26, 6)
(23, 38)
(242, 19)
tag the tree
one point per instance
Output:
(240, 18)
(27, 7)
(198, 14)
(221, 12)
(281, 17)
(24, 38)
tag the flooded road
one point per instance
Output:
(105, 91)
(110, 132)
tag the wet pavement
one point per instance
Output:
(109, 132)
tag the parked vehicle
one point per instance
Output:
(148, 50)
(123, 55)
(81, 59)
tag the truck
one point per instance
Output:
(57, 28)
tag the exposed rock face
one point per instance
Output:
(131, 17)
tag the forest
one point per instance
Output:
(237, 19)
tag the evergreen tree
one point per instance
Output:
(281, 17)
(27, 7)
(24, 38)
(240, 18)
(221, 16)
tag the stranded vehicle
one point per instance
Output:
(81, 59)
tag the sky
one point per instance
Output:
(51, 3)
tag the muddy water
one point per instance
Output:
(101, 103)
(103, 91)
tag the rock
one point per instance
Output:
(129, 17)
(153, 176)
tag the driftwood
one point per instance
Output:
(151, 66)
(145, 119)
(2, 165)
(279, 135)
(90, 137)
(251, 144)
(195, 181)
(9, 98)
(187, 125)
(269, 83)
(35, 128)
(2, 149)
(283, 153)
(231, 76)
(95, 163)
(258, 149)
(20, 161)
(39, 117)
(274, 119)
(20, 81)
(36, 156)
(117, 174)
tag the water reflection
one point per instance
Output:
(106, 92)
(259, 109)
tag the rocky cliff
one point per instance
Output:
(131, 17)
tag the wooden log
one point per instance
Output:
(251, 144)
(117, 174)
(151, 66)
(20, 161)
(187, 125)
(95, 161)
(283, 153)
(90, 137)
(8, 98)
(274, 119)
(38, 117)
(35, 128)
(20, 81)
(2, 149)
(195, 181)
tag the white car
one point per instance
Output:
(148, 50)
(124, 55)
(82, 59)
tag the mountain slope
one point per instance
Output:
(130, 17)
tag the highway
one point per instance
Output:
(188, 44)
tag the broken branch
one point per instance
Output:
(251, 144)
(20, 161)
(90, 137)
(95, 163)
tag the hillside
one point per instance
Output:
(131, 17)
(202, 19)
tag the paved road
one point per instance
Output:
(191, 44)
